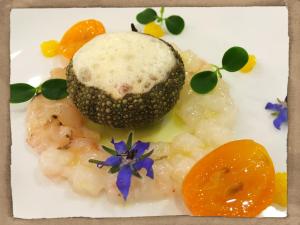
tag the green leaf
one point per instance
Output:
(175, 24)
(204, 82)
(21, 92)
(114, 169)
(109, 150)
(146, 16)
(54, 89)
(129, 141)
(235, 59)
(146, 155)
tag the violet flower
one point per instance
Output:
(127, 160)
(280, 111)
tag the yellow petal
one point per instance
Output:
(154, 29)
(250, 64)
(50, 48)
(280, 195)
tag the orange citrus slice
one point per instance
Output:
(236, 180)
(78, 35)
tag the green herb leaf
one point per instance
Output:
(109, 150)
(54, 89)
(146, 155)
(204, 82)
(129, 141)
(235, 59)
(146, 16)
(114, 169)
(175, 24)
(21, 92)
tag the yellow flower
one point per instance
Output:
(154, 29)
(280, 195)
(50, 48)
(250, 64)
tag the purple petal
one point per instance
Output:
(119, 146)
(140, 147)
(146, 164)
(273, 107)
(281, 118)
(113, 161)
(284, 114)
(124, 180)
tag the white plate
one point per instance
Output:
(263, 31)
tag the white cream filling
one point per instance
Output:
(122, 63)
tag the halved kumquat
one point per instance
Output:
(78, 35)
(235, 180)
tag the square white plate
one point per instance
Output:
(263, 31)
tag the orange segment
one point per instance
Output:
(235, 180)
(250, 64)
(78, 35)
(49, 48)
(154, 29)
(280, 195)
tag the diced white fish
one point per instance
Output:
(54, 163)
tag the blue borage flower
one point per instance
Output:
(280, 111)
(127, 160)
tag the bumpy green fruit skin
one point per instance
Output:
(133, 110)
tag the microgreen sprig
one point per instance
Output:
(233, 60)
(52, 89)
(174, 23)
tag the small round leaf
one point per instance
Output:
(204, 82)
(146, 16)
(175, 24)
(21, 92)
(235, 59)
(54, 89)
